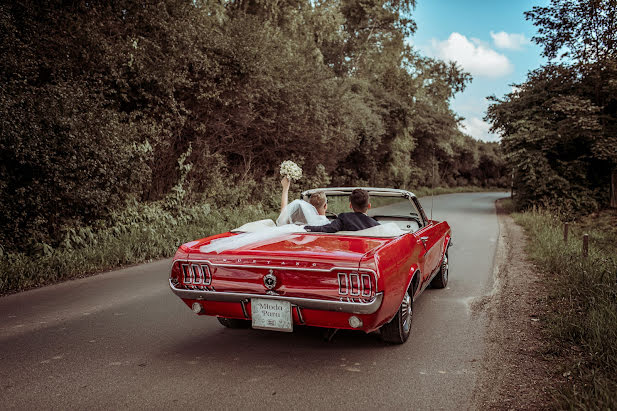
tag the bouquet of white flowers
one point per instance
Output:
(291, 170)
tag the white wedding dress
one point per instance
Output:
(292, 219)
(301, 212)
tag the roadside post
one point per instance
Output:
(565, 232)
(585, 245)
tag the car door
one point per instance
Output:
(428, 239)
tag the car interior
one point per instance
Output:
(387, 209)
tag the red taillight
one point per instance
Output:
(207, 274)
(196, 275)
(356, 284)
(367, 289)
(354, 279)
(342, 283)
(187, 278)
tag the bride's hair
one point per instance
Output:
(318, 199)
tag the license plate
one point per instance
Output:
(271, 314)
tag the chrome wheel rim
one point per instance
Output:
(406, 312)
(445, 268)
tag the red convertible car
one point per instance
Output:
(365, 280)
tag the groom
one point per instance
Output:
(359, 202)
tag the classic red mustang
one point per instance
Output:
(365, 280)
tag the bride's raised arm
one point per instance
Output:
(285, 194)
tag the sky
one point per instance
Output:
(489, 39)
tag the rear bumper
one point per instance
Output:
(369, 307)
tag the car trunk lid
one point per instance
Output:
(303, 265)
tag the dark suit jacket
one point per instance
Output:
(345, 222)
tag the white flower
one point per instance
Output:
(291, 170)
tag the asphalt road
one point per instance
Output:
(123, 340)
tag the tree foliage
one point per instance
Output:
(200, 101)
(581, 31)
(559, 128)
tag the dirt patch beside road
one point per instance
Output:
(516, 372)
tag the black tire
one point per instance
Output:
(234, 323)
(398, 329)
(441, 279)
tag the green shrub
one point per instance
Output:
(139, 233)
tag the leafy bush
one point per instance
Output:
(139, 233)
(61, 151)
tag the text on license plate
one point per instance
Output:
(271, 314)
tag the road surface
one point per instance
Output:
(123, 340)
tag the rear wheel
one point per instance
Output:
(398, 329)
(234, 323)
(441, 279)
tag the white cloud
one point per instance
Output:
(473, 55)
(510, 41)
(478, 129)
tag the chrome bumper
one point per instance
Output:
(308, 303)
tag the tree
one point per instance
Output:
(559, 128)
(584, 31)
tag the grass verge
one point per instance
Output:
(140, 233)
(583, 324)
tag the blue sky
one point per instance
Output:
(489, 39)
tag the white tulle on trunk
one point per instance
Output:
(256, 238)
(297, 214)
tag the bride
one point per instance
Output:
(300, 211)
(294, 216)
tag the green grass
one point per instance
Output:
(583, 299)
(140, 233)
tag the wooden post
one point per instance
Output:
(565, 232)
(585, 245)
(613, 190)
(512, 185)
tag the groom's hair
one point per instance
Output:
(359, 200)
(318, 199)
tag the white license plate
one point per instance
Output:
(271, 314)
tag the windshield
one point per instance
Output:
(385, 209)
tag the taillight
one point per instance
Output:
(186, 275)
(354, 279)
(196, 275)
(356, 284)
(342, 283)
(367, 286)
